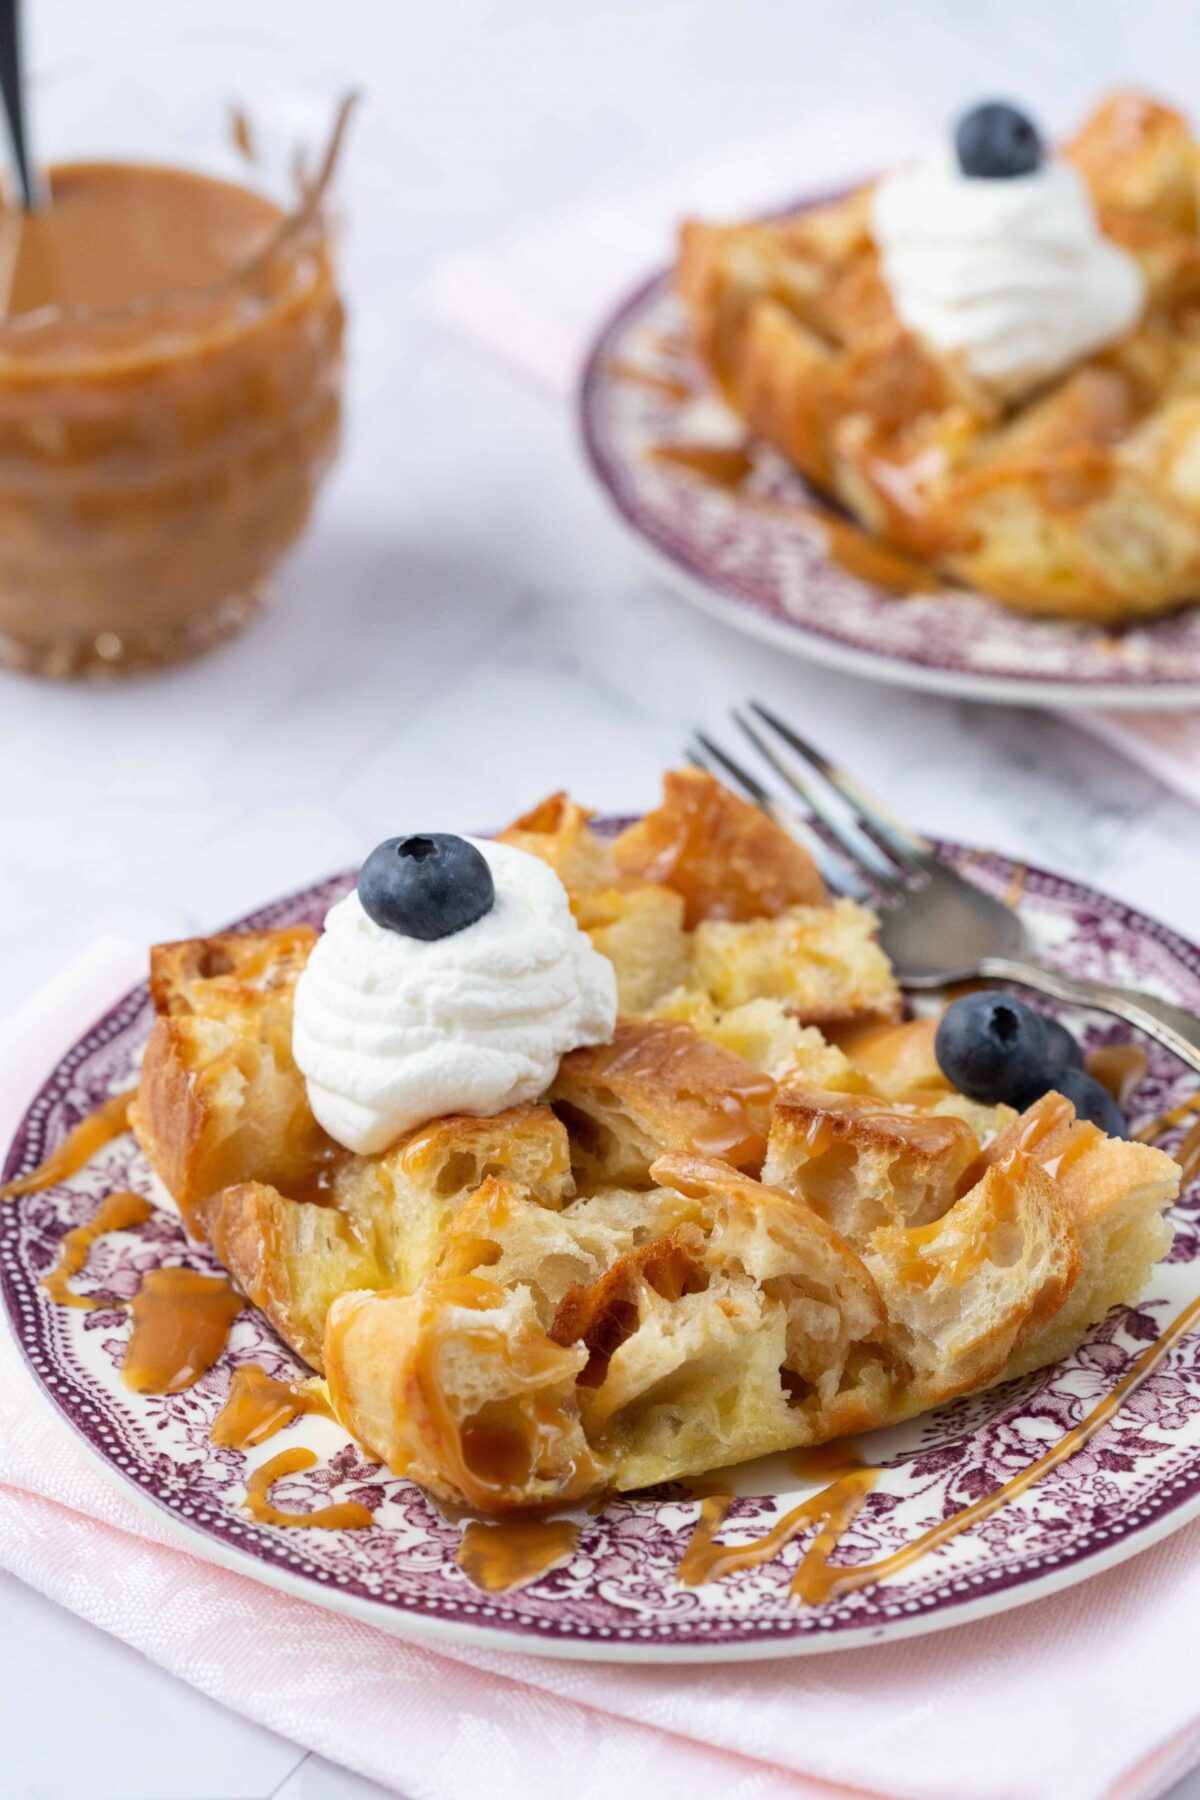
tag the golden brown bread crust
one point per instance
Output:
(727, 859)
(230, 968)
(1081, 501)
(659, 1086)
(220, 1100)
(291, 1259)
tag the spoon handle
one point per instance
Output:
(12, 90)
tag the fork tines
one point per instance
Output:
(838, 812)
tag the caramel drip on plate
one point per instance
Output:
(118, 1212)
(817, 1580)
(721, 465)
(1149, 1133)
(826, 1461)
(832, 1509)
(77, 1148)
(669, 387)
(1016, 884)
(1119, 1068)
(510, 1553)
(258, 1406)
(345, 1515)
(846, 544)
(1188, 1155)
(181, 1322)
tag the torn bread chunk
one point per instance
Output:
(458, 1387)
(964, 1291)
(861, 1163)
(1117, 1193)
(766, 1034)
(640, 930)
(559, 833)
(657, 1087)
(404, 1200)
(726, 859)
(220, 1099)
(291, 1259)
(823, 962)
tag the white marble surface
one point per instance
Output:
(465, 630)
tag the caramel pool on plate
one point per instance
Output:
(170, 371)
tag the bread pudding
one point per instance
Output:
(992, 364)
(706, 1232)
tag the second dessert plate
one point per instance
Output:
(731, 526)
(616, 1594)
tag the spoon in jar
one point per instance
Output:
(12, 90)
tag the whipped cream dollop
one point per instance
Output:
(1013, 276)
(391, 1031)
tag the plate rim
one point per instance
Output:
(804, 639)
(412, 1622)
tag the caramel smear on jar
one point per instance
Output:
(258, 1406)
(346, 1515)
(78, 1148)
(119, 1212)
(181, 1322)
(510, 1553)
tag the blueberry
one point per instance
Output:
(996, 142)
(990, 1046)
(1091, 1101)
(426, 887)
(1062, 1050)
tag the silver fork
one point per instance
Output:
(937, 927)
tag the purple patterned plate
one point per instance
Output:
(764, 568)
(618, 1598)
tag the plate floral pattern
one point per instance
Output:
(753, 559)
(618, 1597)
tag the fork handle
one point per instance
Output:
(1171, 1026)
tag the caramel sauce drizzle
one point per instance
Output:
(1188, 1155)
(181, 1322)
(668, 387)
(817, 1579)
(258, 1406)
(77, 1148)
(722, 1123)
(345, 1515)
(1167, 1120)
(118, 1212)
(510, 1553)
(1016, 885)
(1118, 1067)
(721, 465)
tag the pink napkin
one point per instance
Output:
(537, 298)
(1087, 1694)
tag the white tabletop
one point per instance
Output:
(464, 629)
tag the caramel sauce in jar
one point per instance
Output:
(510, 1553)
(170, 372)
(77, 1148)
(258, 1406)
(181, 1323)
(345, 1515)
(117, 1212)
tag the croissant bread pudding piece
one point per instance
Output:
(724, 1233)
(1080, 499)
